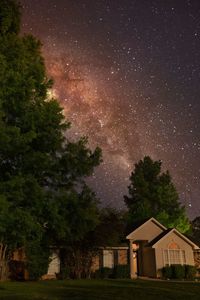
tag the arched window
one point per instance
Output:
(173, 255)
(173, 246)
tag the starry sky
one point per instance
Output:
(128, 76)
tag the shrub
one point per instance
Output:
(190, 272)
(178, 271)
(64, 273)
(167, 272)
(17, 269)
(121, 271)
(104, 273)
(37, 260)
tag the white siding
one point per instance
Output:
(108, 258)
(54, 265)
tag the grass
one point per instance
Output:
(99, 290)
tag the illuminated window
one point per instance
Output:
(174, 257)
(108, 258)
(173, 246)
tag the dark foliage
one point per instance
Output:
(152, 194)
(179, 272)
(43, 194)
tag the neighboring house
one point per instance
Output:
(152, 246)
(18, 270)
(109, 257)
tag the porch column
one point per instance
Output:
(133, 263)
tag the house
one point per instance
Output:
(110, 257)
(152, 246)
(107, 257)
(18, 271)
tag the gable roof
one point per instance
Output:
(165, 234)
(144, 223)
(159, 237)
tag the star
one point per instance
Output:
(127, 76)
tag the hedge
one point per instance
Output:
(179, 272)
(120, 271)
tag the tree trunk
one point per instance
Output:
(4, 270)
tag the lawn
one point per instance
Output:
(99, 289)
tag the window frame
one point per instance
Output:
(174, 256)
(108, 258)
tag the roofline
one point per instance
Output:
(114, 248)
(151, 219)
(180, 235)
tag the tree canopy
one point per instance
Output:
(9, 16)
(153, 194)
(195, 233)
(43, 195)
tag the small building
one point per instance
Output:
(110, 257)
(106, 257)
(152, 246)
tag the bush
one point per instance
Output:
(104, 273)
(190, 272)
(37, 260)
(167, 272)
(121, 271)
(64, 273)
(17, 270)
(178, 271)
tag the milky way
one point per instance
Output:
(127, 74)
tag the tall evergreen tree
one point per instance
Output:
(195, 232)
(152, 194)
(41, 171)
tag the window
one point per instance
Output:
(174, 257)
(108, 258)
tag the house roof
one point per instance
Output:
(114, 248)
(165, 234)
(140, 225)
(159, 237)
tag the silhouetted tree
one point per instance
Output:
(195, 232)
(152, 194)
(41, 172)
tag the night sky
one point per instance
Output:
(128, 76)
